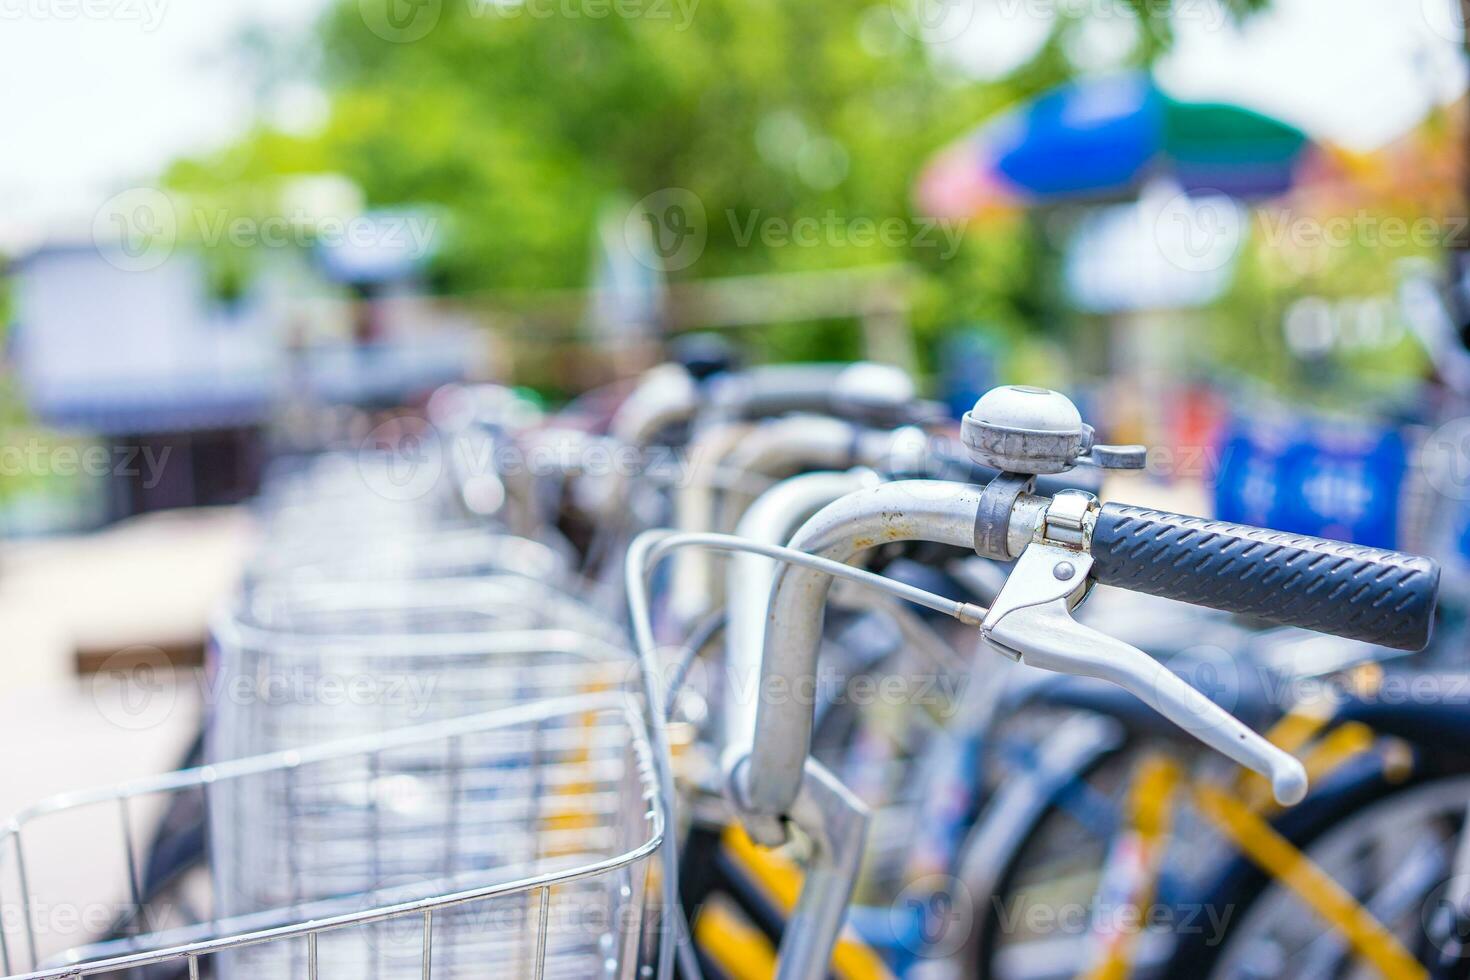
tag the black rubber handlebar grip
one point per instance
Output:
(1383, 597)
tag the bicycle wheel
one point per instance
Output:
(1391, 853)
(1058, 864)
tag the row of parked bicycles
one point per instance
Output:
(779, 671)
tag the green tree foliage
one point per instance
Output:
(522, 126)
(521, 119)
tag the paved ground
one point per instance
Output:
(140, 589)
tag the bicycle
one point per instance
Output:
(1083, 812)
(768, 525)
(1061, 545)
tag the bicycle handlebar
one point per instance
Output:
(1335, 588)
(1061, 545)
(1368, 594)
(877, 393)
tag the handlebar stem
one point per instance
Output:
(804, 442)
(910, 510)
(665, 395)
(774, 517)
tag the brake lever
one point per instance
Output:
(1031, 621)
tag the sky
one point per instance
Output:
(1293, 63)
(1358, 72)
(94, 104)
(100, 94)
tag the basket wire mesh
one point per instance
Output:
(424, 757)
(510, 843)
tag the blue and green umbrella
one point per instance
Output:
(1102, 139)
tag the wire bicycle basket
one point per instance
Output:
(516, 842)
(451, 552)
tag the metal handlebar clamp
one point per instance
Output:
(1027, 432)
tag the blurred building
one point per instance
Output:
(152, 365)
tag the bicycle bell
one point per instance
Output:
(1037, 432)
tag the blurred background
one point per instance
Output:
(221, 220)
(232, 231)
